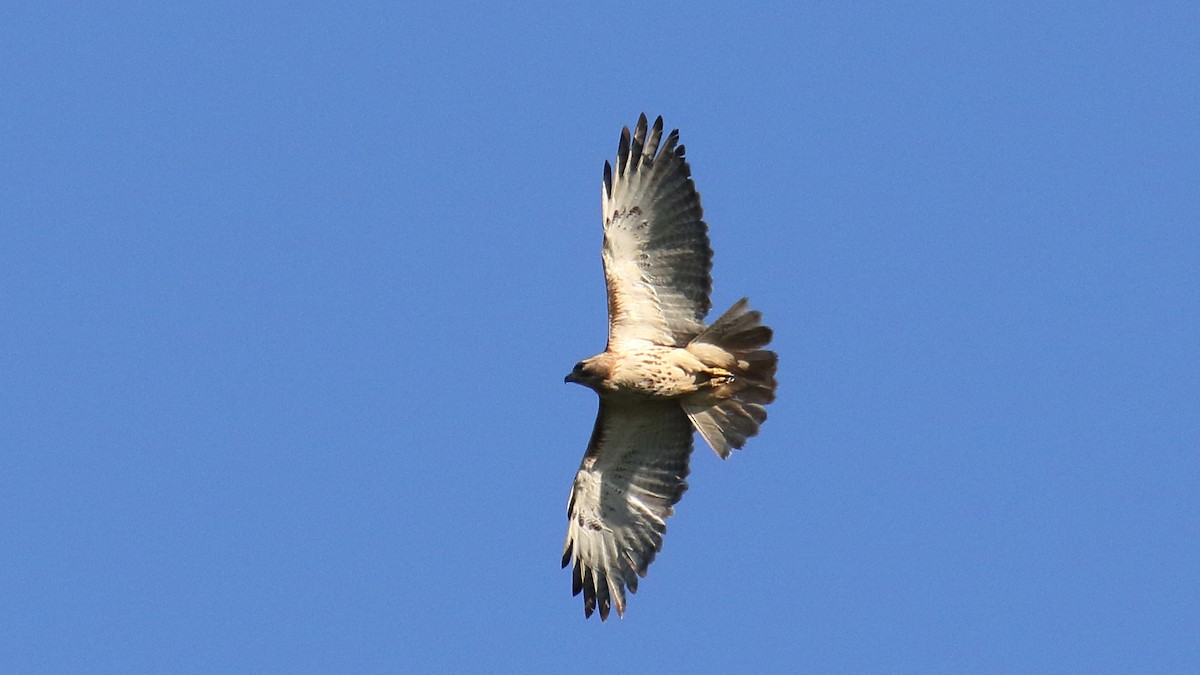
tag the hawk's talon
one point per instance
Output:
(719, 376)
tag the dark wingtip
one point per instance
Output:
(607, 178)
(623, 152)
(650, 145)
(576, 582)
(589, 602)
(670, 147)
(637, 150)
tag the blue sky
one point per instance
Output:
(290, 290)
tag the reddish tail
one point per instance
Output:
(731, 412)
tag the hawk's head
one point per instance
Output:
(590, 372)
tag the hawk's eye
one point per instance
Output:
(578, 367)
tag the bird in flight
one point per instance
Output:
(663, 375)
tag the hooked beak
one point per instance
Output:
(570, 378)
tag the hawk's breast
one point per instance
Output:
(656, 372)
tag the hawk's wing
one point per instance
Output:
(656, 252)
(634, 471)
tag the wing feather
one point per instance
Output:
(632, 475)
(657, 257)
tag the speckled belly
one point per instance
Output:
(657, 372)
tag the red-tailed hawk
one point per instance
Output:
(663, 374)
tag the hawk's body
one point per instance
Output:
(648, 371)
(664, 373)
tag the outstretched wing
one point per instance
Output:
(656, 252)
(633, 473)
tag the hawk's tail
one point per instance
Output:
(730, 408)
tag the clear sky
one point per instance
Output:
(289, 291)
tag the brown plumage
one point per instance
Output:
(663, 375)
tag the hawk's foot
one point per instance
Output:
(719, 376)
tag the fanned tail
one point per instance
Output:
(730, 409)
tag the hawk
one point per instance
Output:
(663, 375)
